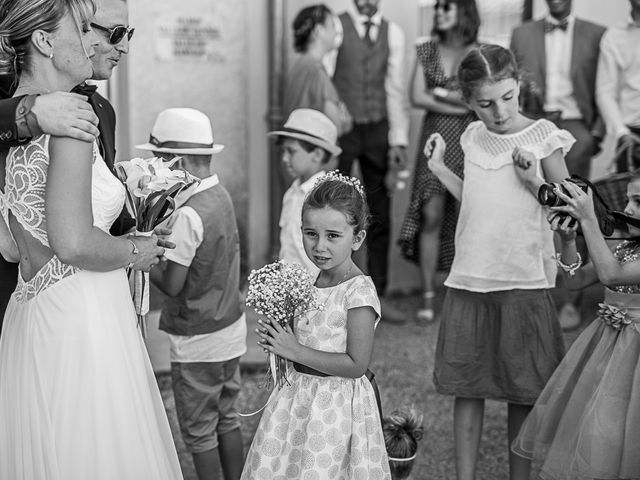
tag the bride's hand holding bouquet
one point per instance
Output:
(149, 251)
(152, 195)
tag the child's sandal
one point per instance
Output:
(426, 314)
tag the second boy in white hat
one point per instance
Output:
(202, 314)
(308, 140)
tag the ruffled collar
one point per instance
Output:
(492, 151)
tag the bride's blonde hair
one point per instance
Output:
(19, 19)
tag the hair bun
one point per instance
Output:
(403, 422)
(7, 55)
(304, 23)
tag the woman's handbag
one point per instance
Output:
(613, 187)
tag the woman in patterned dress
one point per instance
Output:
(325, 423)
(427, 233)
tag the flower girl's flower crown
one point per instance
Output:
(335, 175)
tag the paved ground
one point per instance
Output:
(158, 343)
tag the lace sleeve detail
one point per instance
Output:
(467, 137)
(493, 151)
(26, 177)
(556, 139)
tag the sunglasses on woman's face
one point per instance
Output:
(444, 6)
(117, 33)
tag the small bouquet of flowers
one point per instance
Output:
(281, 291)
(151, 188)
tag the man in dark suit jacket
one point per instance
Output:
(559, 57)
(20, 118)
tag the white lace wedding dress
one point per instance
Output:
(78, 398)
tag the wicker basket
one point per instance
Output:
(613, 187)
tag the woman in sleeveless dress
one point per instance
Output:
(78, 398)
(429, 226)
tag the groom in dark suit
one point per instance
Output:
(19, 118)
(559, 55)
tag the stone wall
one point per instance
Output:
(192, 54)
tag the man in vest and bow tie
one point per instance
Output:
(559, 56)
(369, 77)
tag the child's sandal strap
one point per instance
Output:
(425, 315)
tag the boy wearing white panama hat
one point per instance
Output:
(309, 149)
(182, 131)
(202, 314)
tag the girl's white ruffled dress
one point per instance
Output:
(323, 427)
(78, 397)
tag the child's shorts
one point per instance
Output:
(205, 395)
(497, 345)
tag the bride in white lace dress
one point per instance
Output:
(78, 398)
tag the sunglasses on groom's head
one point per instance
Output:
(117, 33)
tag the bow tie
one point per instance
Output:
(85, 89)
(550, 26)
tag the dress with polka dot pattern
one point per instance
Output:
(323, 427)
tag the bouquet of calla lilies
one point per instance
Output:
(152, 189)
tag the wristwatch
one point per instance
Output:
(134, 250)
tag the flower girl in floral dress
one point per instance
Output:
(325, 422)
(585, 424)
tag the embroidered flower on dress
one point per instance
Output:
(614, 317)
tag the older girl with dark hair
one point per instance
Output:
(499, 336)
(308, 84)
(429, 226)
(78, 397)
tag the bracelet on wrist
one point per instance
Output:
(440, 93)
(572, 268)
(134, 252)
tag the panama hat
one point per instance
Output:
(182, 130)
(311, 126)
